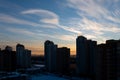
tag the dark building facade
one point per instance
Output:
(27, 58)
(92, 53)
(7, 59)
(63, 60)
(20, 52)
(8, 48)
(57, 60)
(50, 54)
(101, 62)
(85, 56)
(109, 60)
(23, 56)
(81, 56)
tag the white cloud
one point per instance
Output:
(66, 37)
(89, 36)
(38, 33)
(10, 19)
(50, 26)
(88, 7)
(99, 27)
(4, 18)
(93, 29)
(70, 29)
(49, 21)
(21, 31)
(94, 8)
(47, 16)
(96, 18)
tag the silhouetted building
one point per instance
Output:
(20, 55)
(0, 50)
(27, 58)
(50, 50)
(63, 60)
(23, 56)
(101, 62)
(8, 48)
(85, 57)
(92, 54)
(109, 60)
(81, 56)
(7, 59)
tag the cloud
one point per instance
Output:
(89, 36)
(94, 8)
(28, 32)
(88, 7)
(10, 19)
(66, 37)
(20, 31)
(70, 29)
(37, 33)
(93, 29)
(98, 27)
(47, 16)
(49, 21)
(4, 18)
(96, 18)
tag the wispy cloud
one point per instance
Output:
(84, 24)
(46, 16)
(4, 18)
(10, 19)
(97, 27)
(94, 30)
(94, 8)
(70, 29)
(87, 7)
(37, 33)
(49, 17)
(51, 21)
(66, 37)
(20, 31)
(95, 18)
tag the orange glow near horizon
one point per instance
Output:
(39, 50)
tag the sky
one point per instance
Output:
(32, 22)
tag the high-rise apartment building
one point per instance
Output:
(63, 60)
(109, 60)
(50, 56)
(23, 56)
(81, 56)
(85, 57)
(7, 59)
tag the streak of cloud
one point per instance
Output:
(47, 16)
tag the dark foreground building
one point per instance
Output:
(23, 56)
(56, 59)
(7, 59)
(86, 57)
(50, 50)
(63, 60)
(109, 60)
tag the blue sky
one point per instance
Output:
(31, 22)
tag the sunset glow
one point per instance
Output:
(32, 22)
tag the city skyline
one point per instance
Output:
(92, 62)
(32, 22)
